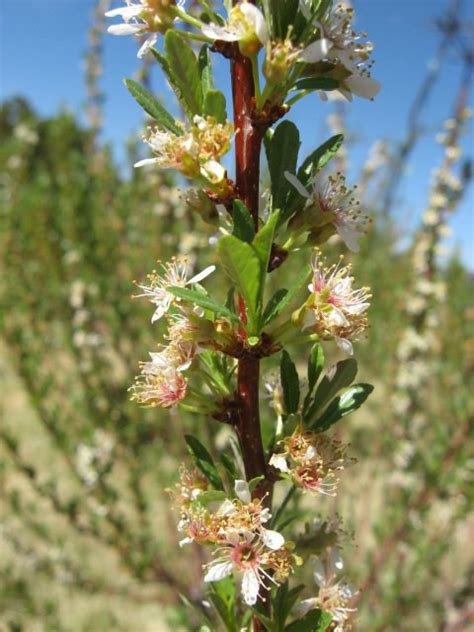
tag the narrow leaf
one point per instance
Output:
(283, 157)
(272, 308)
(152, 107)
(283, 604)
(317, 83)
(202, 300)
(263, 241)
(313, 621)
(315, 365)
(243, 222)
(290, 383)
(319, 157)
(290, 295)
(215, 105)
(343, 405)
(204, 461)
(183, 73)
(241, 263)
(205, 69)
(344, 375)
(283, 16)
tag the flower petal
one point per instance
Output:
(219, 33)
(278, 461)
(319, 573)
(218, 571)
(125, 29)
(272, 539)
(201, 275)
(305, 606)
(345, 345)
(146, 161)
(349, 236)
(250, 587)
(147, 44)
(316, 51)
(292, 179)
(125, 12)
(242, 491)
(256, 18)
(363, 86)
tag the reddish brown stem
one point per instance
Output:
(248, 140)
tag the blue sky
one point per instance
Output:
(43, 41)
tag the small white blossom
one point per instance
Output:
(335, 309)
(175, 274)
(145, 17)
(333, 196)
(246, 25)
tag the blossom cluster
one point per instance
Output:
(334, 309)
(332, 48)
(236, 527)
(311, 461)
(334, 594)
(161, 382)
(330, 203)
(194, 153)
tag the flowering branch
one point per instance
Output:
(210, 363)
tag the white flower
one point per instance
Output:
(145, 17)
(194, 153)
(334, 596)
(245, 554)
(334, 309)
(175, 274)
(338, 42)
(246, 25)
(333, 196)
(161, 382)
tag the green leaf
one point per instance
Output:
(244, 228)
(315, 365)
(211, 496)
(346, 371)
(242, 264)
(203, 300)
(289, 297)
(255, 481)
(319, 157)
(203, 461)
(222, 594)
(152, 107)
(313, 621)
(183, 73)
(262, 244)
(290, 383)
(343, 405)
(229, 465)
(272, 308)
(205, 69)
(283, 604)
(215, 105)
(267, 142)
(283, 157)
(262, 616)
(283, 15)
(317, 83)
